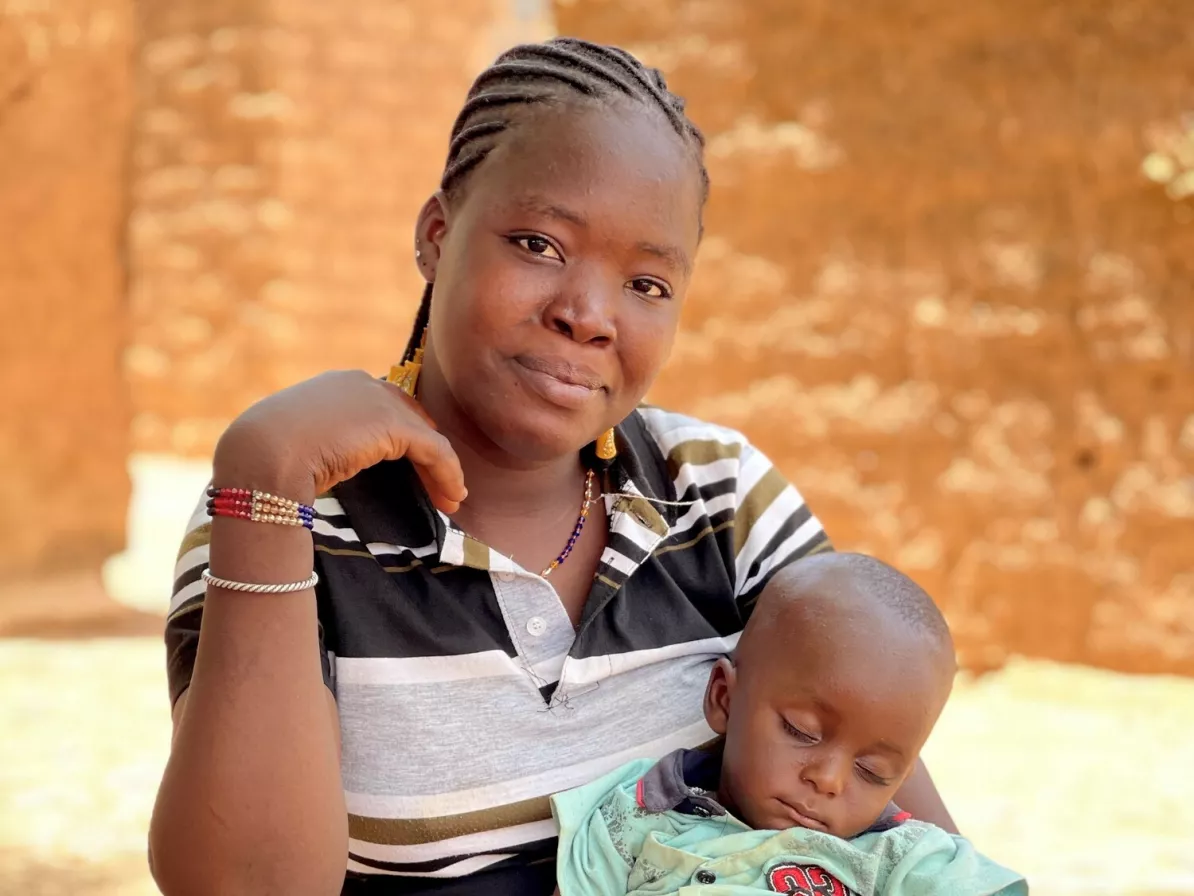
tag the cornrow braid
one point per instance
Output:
(546, 73)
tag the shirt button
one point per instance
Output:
(505, 576)
(536, 626)
(706, 877)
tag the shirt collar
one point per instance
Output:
(387, 504)
(641, 469)
(683, 781)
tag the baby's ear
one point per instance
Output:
(718, 693)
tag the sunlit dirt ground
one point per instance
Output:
(1079, 778)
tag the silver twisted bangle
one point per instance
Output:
(252, 588)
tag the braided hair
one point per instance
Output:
(540, 74)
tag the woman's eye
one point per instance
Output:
(802, 736)
(651, 288)
(537, 245)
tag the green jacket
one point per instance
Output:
(612, 844)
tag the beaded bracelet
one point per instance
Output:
(260, 507)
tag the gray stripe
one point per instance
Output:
(426, 739)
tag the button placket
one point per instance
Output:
(537, 621)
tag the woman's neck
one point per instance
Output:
(501, 487)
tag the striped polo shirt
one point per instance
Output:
(466, 696)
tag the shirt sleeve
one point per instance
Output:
(942, 864)
(185, 616)
(773, 526)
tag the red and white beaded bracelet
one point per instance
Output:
(259, 507)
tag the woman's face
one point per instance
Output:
(559, 273)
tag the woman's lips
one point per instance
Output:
(557, 381)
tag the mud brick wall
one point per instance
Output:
(281, 153)
(938, 291)
(65, 102)
(936, 286)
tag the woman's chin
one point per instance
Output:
(538, 437)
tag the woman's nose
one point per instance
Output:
(584, 314)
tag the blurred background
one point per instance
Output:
(948, 284)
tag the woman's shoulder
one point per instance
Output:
(719, 483)
(689, 452)
(674, 434)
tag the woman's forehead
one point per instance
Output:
(634, 134)
(584, 160)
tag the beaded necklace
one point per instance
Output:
(580, 524)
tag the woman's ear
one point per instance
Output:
(718, 693)
(430, 229)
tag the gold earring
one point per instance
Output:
(406, 375)
(607, 448)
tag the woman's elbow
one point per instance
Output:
(181, 869)
(187, 866)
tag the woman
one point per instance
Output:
(523, 576)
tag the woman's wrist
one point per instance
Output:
(260, 553)
(244, 460)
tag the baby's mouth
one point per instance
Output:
(802, 817)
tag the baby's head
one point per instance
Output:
(834, 688)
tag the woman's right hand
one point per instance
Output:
(301, 441)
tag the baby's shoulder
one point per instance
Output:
(915, 856)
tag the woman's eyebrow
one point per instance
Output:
(675, 257)
(541, 206)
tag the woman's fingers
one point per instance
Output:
(331, 427)
(433, 458)
(438, 467)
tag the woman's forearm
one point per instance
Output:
(919, 796)
(251, 799)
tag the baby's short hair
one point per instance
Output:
(894, 590)
(866, 582)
